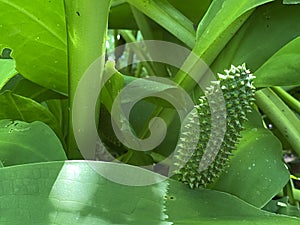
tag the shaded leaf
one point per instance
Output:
(59, 108)
(152, 89)
(22, 142)
(209, 207)
(112, 86)
(221, 21)
(120, 16)
(17, 107)
(192, 9)
(282, 69)
(254, 43)
(256, 171)
(168, 17)
(282, 206)
(35, 92)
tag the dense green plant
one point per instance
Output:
(49, 44)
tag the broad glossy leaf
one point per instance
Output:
(282, 69)
(255, 42)
(210, 207)
(256, 171)
(221, 21)
(7, 71)
(36, 32)
(72, 192)
(22, 142)
(17, 107)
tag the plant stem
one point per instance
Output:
(280, 115)
(86, 32)
(287, 98)
(288, 191)
(296, 193)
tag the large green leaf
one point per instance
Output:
(7, 71)
(256, 172)
(208, 207)
(220, 23)
(17, 107)
(72, 192)
(254, 43)
(36, 32)
(22, 142)
(282, 69)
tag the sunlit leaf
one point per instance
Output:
(36, 32)
(7, 71)
(74, 192)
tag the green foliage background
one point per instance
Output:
(38, 185)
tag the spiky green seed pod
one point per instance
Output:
(219, 129)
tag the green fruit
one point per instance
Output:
(205, 154)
